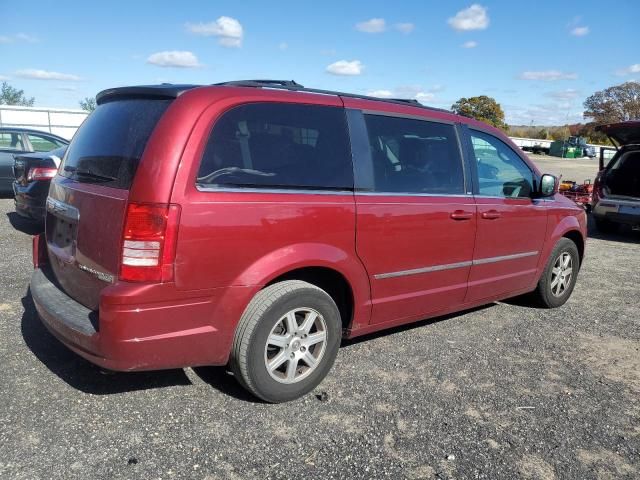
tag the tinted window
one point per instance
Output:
(109, 144)
(501, 171)
(11, 141)
(41, 143)
(269, 145)
(414, 156)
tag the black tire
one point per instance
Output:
(606, 226)
(543, 293)
(265, 311)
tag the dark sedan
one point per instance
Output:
(33, 174)
(16, 141)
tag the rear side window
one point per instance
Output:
(274, 145)
(414, 156)
(42, 143)
(108, 146)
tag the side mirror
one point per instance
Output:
(548, 185)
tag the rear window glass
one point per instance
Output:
(273, 145)
(108, 146)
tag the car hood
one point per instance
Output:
(624, 133)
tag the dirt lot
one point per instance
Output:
(503, 391)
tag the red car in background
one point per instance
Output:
(255, 224)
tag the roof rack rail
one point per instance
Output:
(411, 101)
(294, 86)
(263, 83)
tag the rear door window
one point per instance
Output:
(414, 156)
(275, 145)
(108, 146)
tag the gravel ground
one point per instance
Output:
(503, 391)
(578, 169)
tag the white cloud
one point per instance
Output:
(380, 93)
(548, 75)
(405, 28)
(228, 30)
(415, 92)
(470, 44)
(35, 74)
(580, 31)
(67, 88)
(374, 25)
(345, 67)
(568, 94)
(175, 58)
(424, 97)
(473, 18)
(26, 38)
(283, 45)
(18, 37)
(631, 69)
(4, 77)
(545, 114)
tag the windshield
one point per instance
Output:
(109, 144)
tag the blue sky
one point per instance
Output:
(539, 61)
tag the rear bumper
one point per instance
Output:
(156, 332)
(30, 202)
(618, 211)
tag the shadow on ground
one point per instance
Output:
(86, 377)
(81, 374)
(624, 234)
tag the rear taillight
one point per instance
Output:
(149, 242)
(597, 187)
(39, 250)
(41, 173)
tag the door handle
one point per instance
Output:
(461, 215)
(491, 215)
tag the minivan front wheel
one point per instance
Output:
(286, 341)
(560, 274)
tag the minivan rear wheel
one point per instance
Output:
(559, 276)
(286, 341)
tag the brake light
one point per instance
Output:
(598, 191)
(41, 173)
(149, 242)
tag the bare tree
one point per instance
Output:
(13, 96)
(614, 104)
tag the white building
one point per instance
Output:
(60, 121)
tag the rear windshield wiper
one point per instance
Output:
(82, 172)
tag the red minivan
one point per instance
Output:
(255, 224)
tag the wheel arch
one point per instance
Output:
(336, 271)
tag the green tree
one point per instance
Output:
(13, 96)
(482, 108)
(614, 104)
(88, 104)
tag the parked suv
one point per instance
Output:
(616, 192)
(256, 224)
